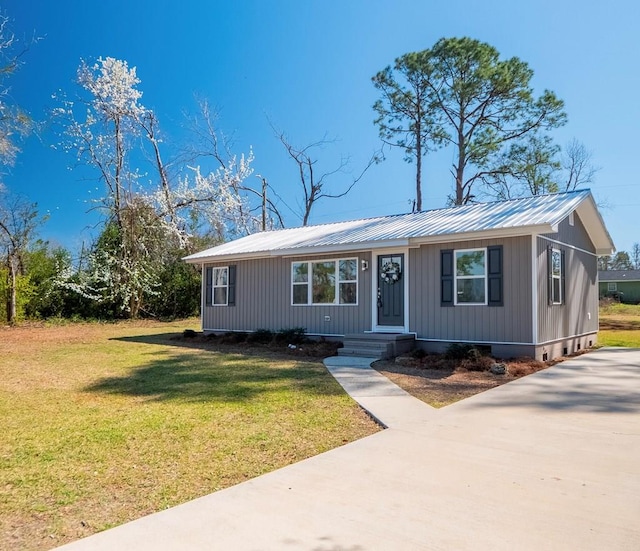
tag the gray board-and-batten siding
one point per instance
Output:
(523, 321)
(263, 298)
(577, 317)
(263, 301)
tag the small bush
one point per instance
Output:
(189, 334)
(458, 351)
(295, 335)
(260, 336)
(418, 354)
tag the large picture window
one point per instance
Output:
(471, 276)
(325, 282)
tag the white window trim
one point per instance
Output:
(612, 286)
(456, 277)
(309, 282)
(214, 286)
(558, 277)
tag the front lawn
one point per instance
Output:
(103, 424)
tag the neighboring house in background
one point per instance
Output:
(623, 285)
(517, 276)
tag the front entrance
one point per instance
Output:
(390, 294)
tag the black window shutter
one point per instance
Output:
(231, 298)
(494, 275)
(562, 286)
(446, 277)
(550, 275)
(208, 286)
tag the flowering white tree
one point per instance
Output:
(148, 209)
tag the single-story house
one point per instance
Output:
(623, 285)
(518, 277)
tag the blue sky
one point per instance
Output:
(307, 66)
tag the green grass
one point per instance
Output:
(619, 325)
(611, 308)
(612, 337)
(105, 423)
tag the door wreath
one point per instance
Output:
(390, 272)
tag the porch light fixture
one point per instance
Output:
(365, 265)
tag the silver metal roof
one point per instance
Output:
(530, 215)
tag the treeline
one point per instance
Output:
(43, 291)
(622, 260)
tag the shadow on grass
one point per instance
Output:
(216, 377)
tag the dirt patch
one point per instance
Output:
(620, 323)
(241, 343)
(440, 382)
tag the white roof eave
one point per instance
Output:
(488, 234)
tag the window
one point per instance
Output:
(471, 276)
(556, 276)
(612, 286)
(300, 283)
(325, 282)
(220, 286)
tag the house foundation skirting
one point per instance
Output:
(541, 352)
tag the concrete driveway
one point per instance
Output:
(551, 461)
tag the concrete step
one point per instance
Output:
(389, 337)
(378, 345)
(363, 352)
(359, 343)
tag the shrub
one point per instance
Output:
(458, 351)
(295, 335)
(260, 336)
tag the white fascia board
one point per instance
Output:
(488, 234)
(594, 225)
(225, 258)
(300, 251)
(349, 247)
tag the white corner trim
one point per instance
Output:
(534, 289)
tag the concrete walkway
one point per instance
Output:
(548, 462)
